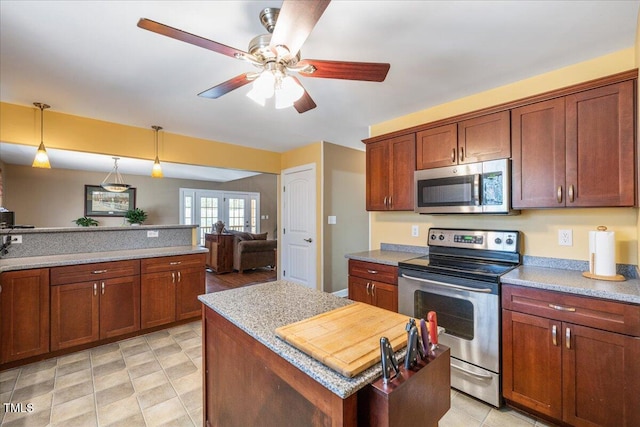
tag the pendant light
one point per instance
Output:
(118, 185)
(156, 171)
(42, 158)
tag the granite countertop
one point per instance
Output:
(280, 303)
(389, 254)
(570, 281)
(37, 230)
(91, 257)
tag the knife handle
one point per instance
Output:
(424, 332)
(433, 328)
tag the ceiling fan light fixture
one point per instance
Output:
(41, 160)
(156, 170)
(118, 185)
(288, 93)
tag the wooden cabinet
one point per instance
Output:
(94, 301)
(571, 358)
(24, 314)
(220, 256)
(474, 140)
(575, 151)
(390, 167)
(375, 284)
(170, 288)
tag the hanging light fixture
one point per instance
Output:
(118, 185)
(42, 158)
(156, 171)
(275, 81)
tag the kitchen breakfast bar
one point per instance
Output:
(252, 377)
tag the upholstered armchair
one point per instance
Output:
(253, 251)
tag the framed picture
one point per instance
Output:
(100, 202)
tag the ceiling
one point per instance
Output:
(90, 59)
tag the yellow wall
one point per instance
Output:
(308, 154)
(540, 227)
(21, 125)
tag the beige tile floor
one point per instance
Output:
(153, 380)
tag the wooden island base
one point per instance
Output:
(246, 384)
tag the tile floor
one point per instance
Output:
(153, 380)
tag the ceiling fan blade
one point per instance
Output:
(305, 103)
(367, 71)
(174, 33)
(225, 87)
(295, 22)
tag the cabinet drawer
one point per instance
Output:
(97, 271)
(597, 313)
(374, 271)
(154, 265)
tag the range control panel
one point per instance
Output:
(494, 240)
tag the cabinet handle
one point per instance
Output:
(175, 263)
(568, 337)
(179, 277)
(173, 277)
(554, 335)
(561, 308)
(559, 194)
(373, 289)
(385, 201)
(453, 155)
(98, 271)
(368, 284)
(461, 156)
(102, 288)
(95, 289)
(372, 271)
(571, 193)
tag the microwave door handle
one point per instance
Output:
(476, 189)
(449, 285)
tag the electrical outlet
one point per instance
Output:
(15, 239)
(415, 231)
(565, 237)
(152, 233)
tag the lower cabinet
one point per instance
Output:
(170, 289)
(24, 314)
(92, 310)
(375, 284)
(572, 359)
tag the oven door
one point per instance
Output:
(468, 310)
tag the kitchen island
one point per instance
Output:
(254, 378)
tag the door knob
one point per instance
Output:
(309, 240)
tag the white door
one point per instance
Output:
(243, 211)
(298, 259)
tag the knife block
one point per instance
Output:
(419, 396)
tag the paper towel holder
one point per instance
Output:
(590, 275)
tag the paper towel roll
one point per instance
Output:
(602, 253)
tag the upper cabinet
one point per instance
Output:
(575, 151)
(469, 141)
(390, 166)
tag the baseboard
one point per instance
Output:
(344, 293)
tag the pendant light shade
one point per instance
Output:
(156, 171)
(115, 184)
(42, 158)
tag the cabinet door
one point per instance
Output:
(360, 289)
(601, 376)
(484, 138)
(600, 146)
(532, 362)
(402, 152)
(377, 176)
(74, 314)
(538, 163)
(385, 296)
(437, 147)
(189, 285)
(24, 314)
(158, 299)
(119, 306)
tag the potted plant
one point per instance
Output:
(135, 216)
(86, 222)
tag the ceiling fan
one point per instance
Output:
(277, 56)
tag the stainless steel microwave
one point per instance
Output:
(472, 188)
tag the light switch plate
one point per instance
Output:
(331, 219)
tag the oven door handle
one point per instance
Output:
(449, 285)
(475, 374)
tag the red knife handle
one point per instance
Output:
(433, 327)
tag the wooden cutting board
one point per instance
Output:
(347, 339)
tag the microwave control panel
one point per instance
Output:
(496, 240)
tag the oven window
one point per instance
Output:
(454, 315)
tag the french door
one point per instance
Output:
(238, 210)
